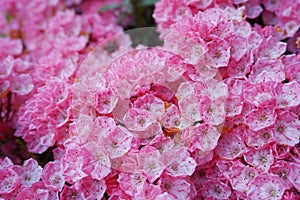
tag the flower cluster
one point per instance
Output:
(212, 113)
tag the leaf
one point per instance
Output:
(109, 7)
(147, 2)
(8, 17)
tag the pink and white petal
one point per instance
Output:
(9, 180)
(230, 145)
(261, 159)
(288, 95)
(216, 189)
(178, 187)
(150, 103)
(105, 101)
(91, 188)
(149, 162)
(218, 54)
(260, 118)
(22, 84)
(271, 48)
(117, 142)
(294, 175)
(137, 119)
(131, 183)
(189, 107)
(286, 128)
(266, 186)
(183, 166)
(71, 193)
(52, 176)
(259, 138)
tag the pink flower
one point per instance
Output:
(138, 119)
(260, 118)
(231, 145)
(201, 136)
(105, 101)
(116, 142)
(267, 70)
(218, 54)
(266, 186)
(91, 188)
(261, 158)
(99, 161)
(10, 47)
(149, 162)
(259, 138)
(241, 176)
(74, 163)
(184, 165)
(132, 183)
(261, 94)
(271, 48)
(150, 103)
(281, 169)
(52, 176)
(71, 193)
(9, 180)
(286, 128)
(29, 173)
(216, 190)
(176, 187)
(288, 94)
(293, 175)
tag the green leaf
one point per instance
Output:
(147, 2)
(7, 17)
(109, 7)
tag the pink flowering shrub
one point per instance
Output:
(211, 113)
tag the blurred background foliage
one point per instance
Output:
(139, 11)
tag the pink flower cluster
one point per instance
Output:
(213, 113)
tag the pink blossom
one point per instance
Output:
(184, 165)
(150, 103)
(281, 169)
(116, 142)
(260, 94)
(271, 48)
(267, 70)
(218, 53)
(241, 176)
(138, 119)
(132, 183)
(149, 161)
(202, 136)
(288, 94)
(52, 176)
(293, 175)
(266, 186)
(91, 188)
(216, 190)
(286, 128)
(261, 158)
(29, 173)
(260, 118)
(105, 101)
(71, 193)
(10, 47)
(74, 163)
(9, 180)
(99, 162)
(231, 145)
(259, 138)
(176, 187)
